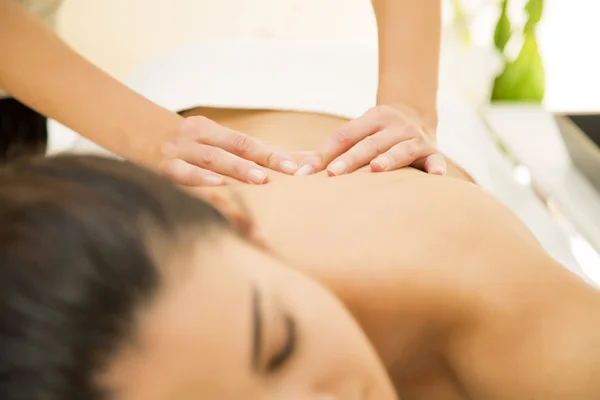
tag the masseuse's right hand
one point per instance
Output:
(205, 153)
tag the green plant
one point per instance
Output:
(523, 79)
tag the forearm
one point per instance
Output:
(41, 71)
(409, 49)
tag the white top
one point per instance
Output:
(324, 78)
(46, 10)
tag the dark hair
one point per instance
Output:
(76, 263)
(23, 131)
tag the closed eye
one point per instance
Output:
(287, 351)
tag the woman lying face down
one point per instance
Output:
(116, 285)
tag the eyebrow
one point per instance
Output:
(257, 328)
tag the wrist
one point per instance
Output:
(407, 82)
(146, 136)
(424, 117)
(417, 101)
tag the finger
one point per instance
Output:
(218, 160)
(187, 174)
(308, 161)
(435, 164)
(209, 132)
(366, 150)
(401, 155)
(347, 136)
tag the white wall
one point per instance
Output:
(119, 34)
(570, 45)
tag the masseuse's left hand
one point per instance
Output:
(386, 137)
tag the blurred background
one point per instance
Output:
(118, 35)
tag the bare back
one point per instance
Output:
(338, 221)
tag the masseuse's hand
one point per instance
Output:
(204, 153)
(386, 137)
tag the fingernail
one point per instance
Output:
(169, 149)
(214, 180)
(439, 170)
(304, 170)
(382, 162)
(337, 168)
(289, 167)
(257, 176)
